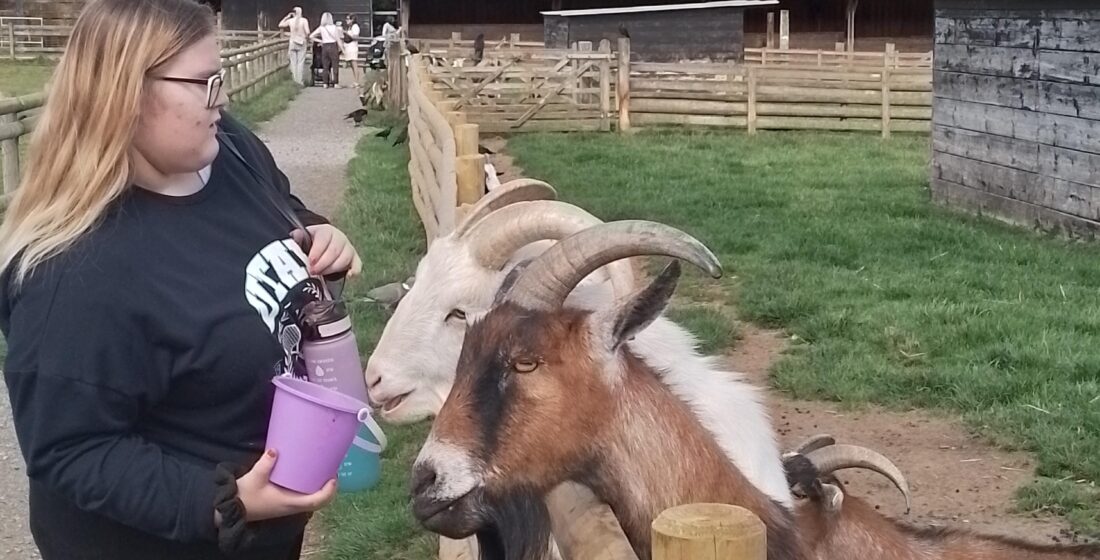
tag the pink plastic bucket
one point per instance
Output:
(312, 428)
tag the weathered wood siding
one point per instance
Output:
(1016, 111)
(667, 36)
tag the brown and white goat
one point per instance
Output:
(546, 393)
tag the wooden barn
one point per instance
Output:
(1016, 111)
(813, 23)
(661, 33)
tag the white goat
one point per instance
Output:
(413, 366)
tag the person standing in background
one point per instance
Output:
(351, 47)
(329, 36)
(299, 30)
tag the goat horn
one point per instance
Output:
(836, 457)
(514, 191)
(548, 280)
(812, 443)
(495, 239)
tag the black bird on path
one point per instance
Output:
(357, 115)
(384, 133)
(623, 32)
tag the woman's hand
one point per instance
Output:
(331, 251)
(264, 500)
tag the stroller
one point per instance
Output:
(316, 71)
(376, 54)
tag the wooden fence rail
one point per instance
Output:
(514, 89)
(249, 69)
(445, 168)
(885, 98)
(21, 40)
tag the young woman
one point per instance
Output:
(298, 28)
(146, 275)
(351, 47)
(329, 36)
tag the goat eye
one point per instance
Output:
(456, 314)
(525, 366)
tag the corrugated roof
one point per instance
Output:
(663, 8)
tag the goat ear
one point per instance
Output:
(636, 312)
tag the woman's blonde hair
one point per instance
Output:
(78, 161)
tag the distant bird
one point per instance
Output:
(623, 32)
(403, 137)
(357, 115)
(492, 177)
(479, 47)
(385, 133)
(481, 149)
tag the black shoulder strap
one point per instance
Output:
(280, 204)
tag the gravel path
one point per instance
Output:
(312, 144)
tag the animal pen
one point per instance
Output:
(453, 95)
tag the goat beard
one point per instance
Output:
(517, 527)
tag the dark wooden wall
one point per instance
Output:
(670, 36)
(1016, 112)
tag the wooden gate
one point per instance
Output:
(513, 91)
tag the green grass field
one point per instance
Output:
(831, 237)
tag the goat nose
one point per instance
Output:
(374, 377)
(423, 479)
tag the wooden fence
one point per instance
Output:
(780, 97)
(446, 171)
(249, 70)
(28, 41)
(518, 87)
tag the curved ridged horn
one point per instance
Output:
(811, 443)
(836, 457)
(495, 239)
(546, 283)
(511, 192)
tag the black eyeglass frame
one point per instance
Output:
(213, 85)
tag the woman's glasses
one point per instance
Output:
(213, 85)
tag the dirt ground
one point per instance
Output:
(955, 478)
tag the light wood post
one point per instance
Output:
(623, 91)
(751, 118)
(11, 40)
(10, 154)
(887, 59)
(769, 43)
(469, 164)
(708, 532)
(784, 29)
(605, 86)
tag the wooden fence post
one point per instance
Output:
(751, 117)
(887, 58)
(10, 151)
(11, 40)
(769, 43)
(784, 29)
(623, 91)
(469, 164)
(605, 86)
(708, 532)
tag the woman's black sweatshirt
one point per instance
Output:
(143, 356)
